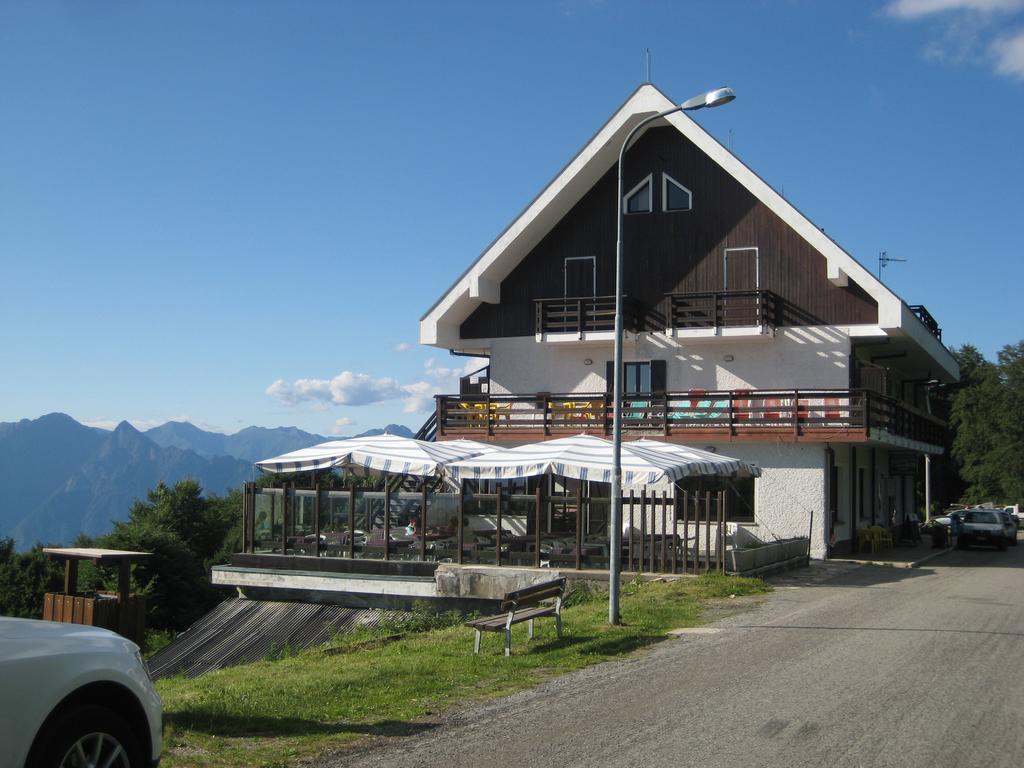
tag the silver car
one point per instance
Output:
(74, 696)
(1009, 526)
(982, 526)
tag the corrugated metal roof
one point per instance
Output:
(238, 631)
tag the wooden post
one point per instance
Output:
(579, 525)
(675, 531)
(423, 521)
(643, 528)
(686, 530)
(284, 519)
(664, 530)
(351, 523)
(316, 520)
(497, 533)
(632, 503)
(536, 525)
(70, 576)
(124, 576)
(707, 531)
(721, 531)
(462, 517)
(387, 521)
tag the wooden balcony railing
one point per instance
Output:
(583, 315)
(722, 309)
(812, 415)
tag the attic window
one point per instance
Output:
(674, 196)
(638, 199)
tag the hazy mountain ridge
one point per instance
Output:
(250, 444)
(62, 478)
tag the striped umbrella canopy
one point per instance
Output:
(389, 454)
(586, 457)
(701, 462)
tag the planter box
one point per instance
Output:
(755, 558)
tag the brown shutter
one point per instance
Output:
(658, 375)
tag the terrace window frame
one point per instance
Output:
(648, 182)
(665, 181)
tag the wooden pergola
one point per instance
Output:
(119, 611)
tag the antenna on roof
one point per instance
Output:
(647, 62)
(883, 261)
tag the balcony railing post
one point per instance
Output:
(580, 320)
(796, 412)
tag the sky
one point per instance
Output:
(235, 213)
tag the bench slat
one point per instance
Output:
(497, 622)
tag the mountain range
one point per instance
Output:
(62, 478)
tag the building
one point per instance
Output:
(749, 330)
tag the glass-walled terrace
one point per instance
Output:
(545, 523)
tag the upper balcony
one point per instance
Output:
(927, 320)
(711, 313)
(835, 415)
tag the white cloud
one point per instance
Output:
(403, 347)
(1009, 55)
(348, 388)
(340, 424)
(916, 9)
(968, 32)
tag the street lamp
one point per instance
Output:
(713, 98)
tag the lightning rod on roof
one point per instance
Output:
(647, 63)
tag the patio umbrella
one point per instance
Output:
(389, 454)
(585, 457)
(700, 462)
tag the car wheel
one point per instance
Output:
(86, 737)
(1001, 546)
(961, 543)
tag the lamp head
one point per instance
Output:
(715, 98)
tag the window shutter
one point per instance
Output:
(658, 375)
(609, 375)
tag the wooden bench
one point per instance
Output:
(522, 605)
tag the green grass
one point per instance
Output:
(295, 705)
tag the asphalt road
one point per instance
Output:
(842, 665)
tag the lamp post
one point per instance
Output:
(713, 98)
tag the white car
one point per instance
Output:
(982, 526)
(74, 696)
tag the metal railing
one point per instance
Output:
(927, 320)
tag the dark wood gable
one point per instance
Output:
(674, 251)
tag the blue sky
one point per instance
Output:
(235, 213)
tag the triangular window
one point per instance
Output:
(638, 199)
(674, 196)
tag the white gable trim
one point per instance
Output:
(482, 281)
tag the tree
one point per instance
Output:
(24, 578)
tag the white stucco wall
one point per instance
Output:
(806, 358)
(790, 491)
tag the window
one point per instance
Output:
(639, 198)
(674, 196)
(637, 378)
(738, 496)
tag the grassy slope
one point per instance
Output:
(273, 712)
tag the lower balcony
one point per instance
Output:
(834, 415)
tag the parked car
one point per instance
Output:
(71, 691)
(1009, 526)
(1015, 513)
(982, 526)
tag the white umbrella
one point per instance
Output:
(390, 454)
(586, 457)
(700, 462)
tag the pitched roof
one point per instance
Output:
(481, 282)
